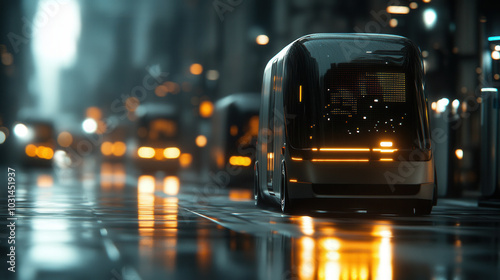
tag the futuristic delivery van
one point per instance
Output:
(344, 123)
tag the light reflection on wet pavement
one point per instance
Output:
(116, 226)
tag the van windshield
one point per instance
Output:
(358, 103)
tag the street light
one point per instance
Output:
(430, 18)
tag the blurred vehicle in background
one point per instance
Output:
(235, 127)
(35, 142)
(157, 136)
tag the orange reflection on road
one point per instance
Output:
(305, 223)
(171, 185)
(240, 194)
(145, 204)
(170, 206)
(146, 184)
(328, 257)
(112, 175)
(44, 181)
(203, 254)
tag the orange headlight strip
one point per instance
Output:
(240, 161)
(39, 151)
(348, 150)
(167, 153)
(117, 148)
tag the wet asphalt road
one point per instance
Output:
(110, 225)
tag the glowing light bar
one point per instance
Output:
(296, 158)
(400, 10)
(386, 144)
(344, 149)
(300, 93)
(385, 150)
(386, 159)
(489, 90)
(146, 152)
(240, 161)
(293, 180)
(314, 149)
(494, 38)
(171, 153)
(338, 160)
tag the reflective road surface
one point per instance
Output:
(109, 224)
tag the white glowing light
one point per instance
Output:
(455, 104)
(495, 55)
(212, 75)
(2, 137)
(89, 125)
(21, 131)
(442, 104)
(430, 18)
(262, 39)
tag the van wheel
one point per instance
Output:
(259, 200)
(286, 205)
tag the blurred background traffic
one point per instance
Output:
(171, 88)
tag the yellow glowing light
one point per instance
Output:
(171, 185)
(293, 180)
(233, 130)
(400, 10)
(146, 184)
(94, 113)
(386, 144)
(7, 59)
(206, 109)
(196, 69)
(306, 225)
(64, 139)
(106, 148)
(44, 152)
(119, 148)
(240, 195)
(159, 153)
(296, 158)
(201, 141)
(434, 106)
(385, 150)
(30, 150)
(262, 39)
(338, 160)
(393, 22)
(172, 152)
(161, 90)
(146, 152)
(386, 159)
(413, 5)
(185, 159)
(44, 181)
(132, 103)
(314, 149)
(240, 161)
(300, 93)
(459, 153)
(343, 149)
(495, 55)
